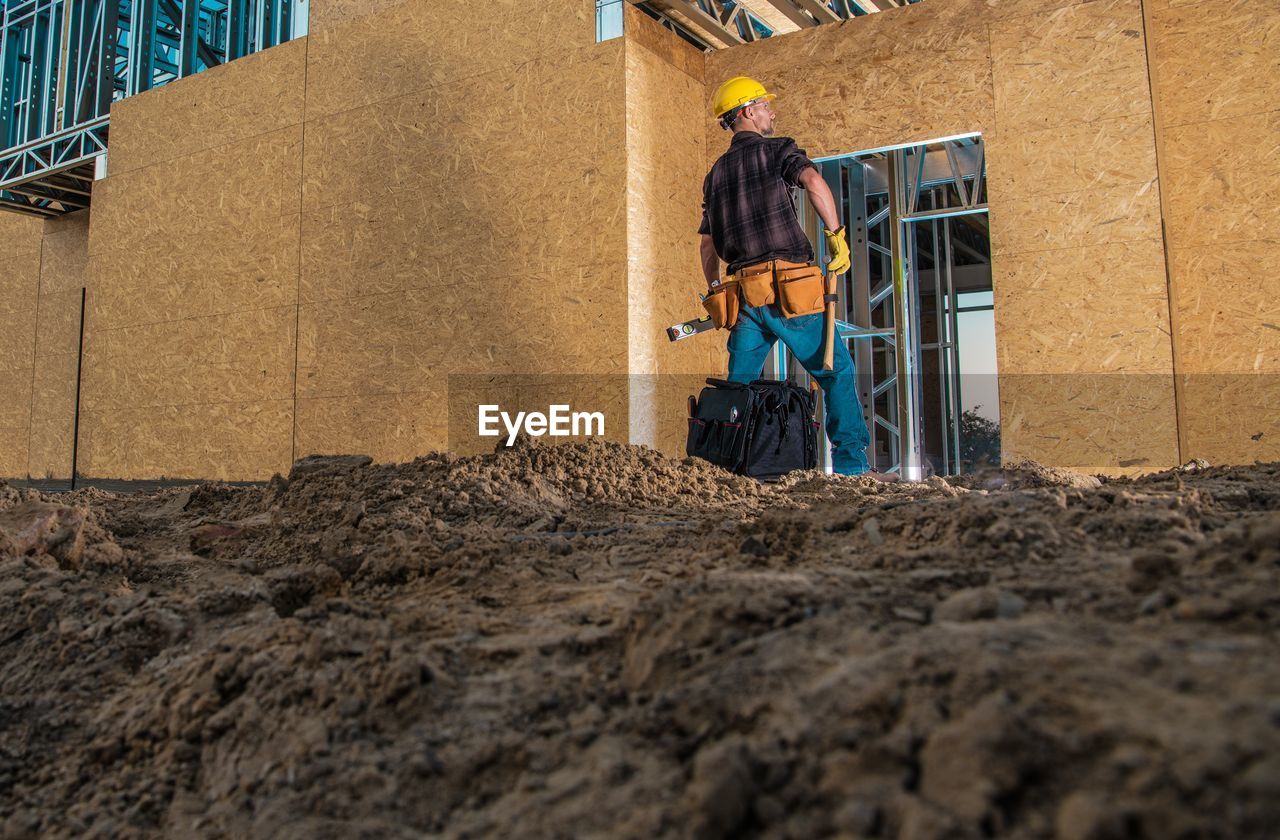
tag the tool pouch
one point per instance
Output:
(756, 284)
(801, 291)
(722, 306)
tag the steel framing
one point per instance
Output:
(885, 196)
(717, 24)
(63, 62)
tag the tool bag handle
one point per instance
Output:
(724, 383)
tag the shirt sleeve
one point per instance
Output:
(792, 162)
(705, 227)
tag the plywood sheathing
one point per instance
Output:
(526, 272)
(666, 162)
(506, 174)
(1060, 94)
(419, 44)
(1223, 180)
(325, 14)
(245, 98)
(1091, 334)
(643, 31)
(879, 80)
(225, 441)
(1081, 294)
(463, 215)
(1216, 82)
(236, 357)
(1214, 60)
(53, 407)
(19, 291)
(192, 304)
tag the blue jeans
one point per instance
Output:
(751, 340)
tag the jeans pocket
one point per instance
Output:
(803, 323)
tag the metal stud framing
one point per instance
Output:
(63, 62)
(717, 24)
(900, 207)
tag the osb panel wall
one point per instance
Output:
(666, 162)
(361, 53)
(1081, 309)
(19, 291)
(1216, 75)
(235, 101)
(463, 214)
(193, 251)
(63, 273)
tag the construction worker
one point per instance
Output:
(749, 222)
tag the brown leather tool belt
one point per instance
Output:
(797, 288)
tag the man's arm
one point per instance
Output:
(710, 259)
(825, 203)
(820, 197)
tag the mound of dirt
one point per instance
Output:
(594, 639)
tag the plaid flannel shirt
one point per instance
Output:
(746, 201)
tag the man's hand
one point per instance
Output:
(838, 247)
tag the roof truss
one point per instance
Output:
(725, 23)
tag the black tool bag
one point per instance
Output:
(763, 429)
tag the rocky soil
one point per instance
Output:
(595, 641)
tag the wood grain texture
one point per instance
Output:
(20, 241)
(1228, 306)
(19, 291)
(15, 384)
(397, 341)
(1216, 76)
(231, 441)
(1222, 180)
(221, 271)
(53, 401)
(1078, 64)
(1215, 62)
(419, 44)
(1230, 418)
(64, 262)
(17, 340)
(193, 263)
(50, 449)
(254, 95)
(642, 30)
(666, 162)
(844, 88)
(1128, 212)
(441, 191)
(326, 14)
(14, 447)
(390, 428)
(1100, 309)
(226, 194)
(1096, 422)
(1071, 158)
(478, 226)
(241, 357)
(58, 323)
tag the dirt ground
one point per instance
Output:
(595, 641)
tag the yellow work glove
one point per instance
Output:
(838, 248)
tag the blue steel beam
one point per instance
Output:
(63, 62)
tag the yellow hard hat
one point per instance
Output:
(737, 92)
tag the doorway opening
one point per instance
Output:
(916, 307)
